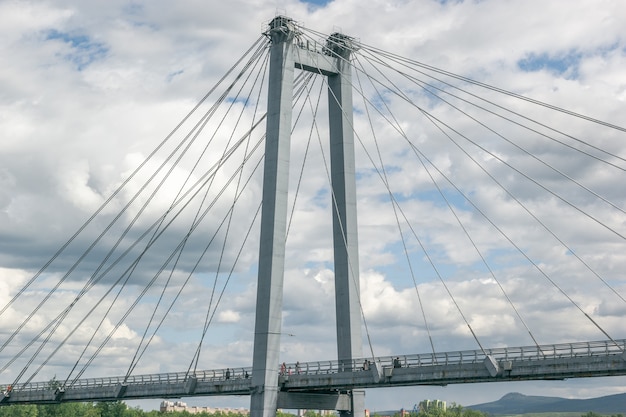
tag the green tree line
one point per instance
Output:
(120, 409)
(454, 410)
(103, 409)
(459, 411)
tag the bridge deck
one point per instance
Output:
(558, 361)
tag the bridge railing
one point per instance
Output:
(525, 353)
(146, 379)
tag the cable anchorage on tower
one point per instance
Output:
(340, 45)
(282, 28)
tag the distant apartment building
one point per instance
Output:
(303, 412)
(428, 405)
(170, 406)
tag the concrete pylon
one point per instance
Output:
(345, 230)
(269, 302)
(335, 64)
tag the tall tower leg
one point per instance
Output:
(345, 237)
(267, 334)
(264, 388)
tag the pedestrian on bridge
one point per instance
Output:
(396, 363)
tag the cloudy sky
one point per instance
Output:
(89, 89)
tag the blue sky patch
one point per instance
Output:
(564, 64)
(173, 75)
(434, 196)
(239, 100)
(316, 2)
(84, 50)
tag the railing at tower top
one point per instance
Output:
(512, 354)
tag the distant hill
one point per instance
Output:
(516, 403)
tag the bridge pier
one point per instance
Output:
(315, 401)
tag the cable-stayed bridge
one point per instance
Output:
(178, 215)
